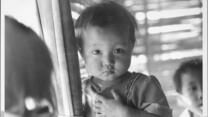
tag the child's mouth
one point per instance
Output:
(200, 105)
(108, 72)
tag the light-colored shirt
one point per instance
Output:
(188, 113)
(185, 113)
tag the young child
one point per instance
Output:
(28, 69)
(188, 83)
(106, 37)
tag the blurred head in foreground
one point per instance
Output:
(188, 82)
(28, 68)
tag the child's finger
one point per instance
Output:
(98, 101)
(100, 98)
(96, 108)
(98, 104)
(100, 114)
(115, 95)
(91, 91)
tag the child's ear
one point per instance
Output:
(79, 49)
(81, 53)
(186, 103)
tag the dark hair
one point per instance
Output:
(107, 14)
(193, 65)
(28, 65)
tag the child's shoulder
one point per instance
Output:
(141, 79)
(144, 77)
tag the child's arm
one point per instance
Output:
(145, 94)
(115, 108)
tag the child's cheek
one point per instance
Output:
(124, 60)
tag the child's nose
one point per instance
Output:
(108, 59)
(200, 95)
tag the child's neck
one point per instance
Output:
(104, 84)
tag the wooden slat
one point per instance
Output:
(71, 56)
(47, 23)
(58, 32)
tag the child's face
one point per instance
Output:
(107, 54)
(192, 88)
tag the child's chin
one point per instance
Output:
(201, 107)
(110, 78)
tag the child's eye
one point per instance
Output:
(95, 52)
(194, 88)
(118, 51)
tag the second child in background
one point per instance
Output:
(188, 83)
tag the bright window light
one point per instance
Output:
(78, 5)
(74, 14)
(173, 37)
(138, 64)
(142, 58)
(153, 15)
(156, 15)
(30, 103)
(168, 46)
(196, 21)
(170, 28)
(140, 16)
(24, 11)
(128, 2)
(177, 55)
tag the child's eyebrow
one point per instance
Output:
(119, 44)
(96, 44)
(93, 45)
(191, 83)
(124, 44)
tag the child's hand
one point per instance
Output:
(187, 104)
(110, 107)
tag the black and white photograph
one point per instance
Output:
(104, 58)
